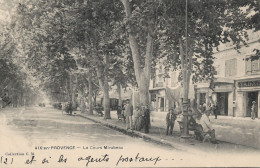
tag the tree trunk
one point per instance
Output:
(82, 101)
(68, 89)
(144, 90)
(95, 99)
(82, 104)
(106, 99)
(103, 82)
(90, 93)
(73, 93)
(142, 75)
(120, 102)
(185, 90)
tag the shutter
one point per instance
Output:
(227, 68)
(233, 68)
(255, 65)
(248, 66)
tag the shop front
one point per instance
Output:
(221, 95)
(203, 93)
(159, 102)
(248, 91)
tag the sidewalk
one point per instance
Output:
(157, 135)
(237, 130)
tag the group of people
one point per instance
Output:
(199, 122)
(67, 107)
(137, 118)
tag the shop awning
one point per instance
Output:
(223, 80)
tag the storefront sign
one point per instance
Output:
(249, 84)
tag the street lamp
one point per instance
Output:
(185, 99)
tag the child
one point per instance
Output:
(170, 120)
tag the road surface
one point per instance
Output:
(44, 137)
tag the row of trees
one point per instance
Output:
(74, 46)
(13, 83)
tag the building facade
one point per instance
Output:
(236, 84)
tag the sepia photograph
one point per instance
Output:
(129, 83)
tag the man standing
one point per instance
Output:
(215, 110)
(207, 127)
(129, 114)
(70, 108)
(146, 119)
(170, 120)
(253, 110)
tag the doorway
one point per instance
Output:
(202, 98)
(162, 104)
(222, 103)
(251, 96)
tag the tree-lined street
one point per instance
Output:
(59, 55)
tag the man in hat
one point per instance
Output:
(170, 120)
(253, 110)
(129, 114)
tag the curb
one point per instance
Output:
(144, 136)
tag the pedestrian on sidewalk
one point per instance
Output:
(129, 114)
(170, 120)
(70, 108)
(215, 110)
(146, 119)
(253, 110)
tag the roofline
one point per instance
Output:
(232, 47)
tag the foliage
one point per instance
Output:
(209, 23)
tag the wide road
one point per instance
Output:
(44, 137)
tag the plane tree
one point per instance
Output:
(192, 30)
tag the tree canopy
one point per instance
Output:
(114, 42)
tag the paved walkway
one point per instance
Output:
(157, 135)
(238, 130)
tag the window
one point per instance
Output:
(252, 66)
(231, 67)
